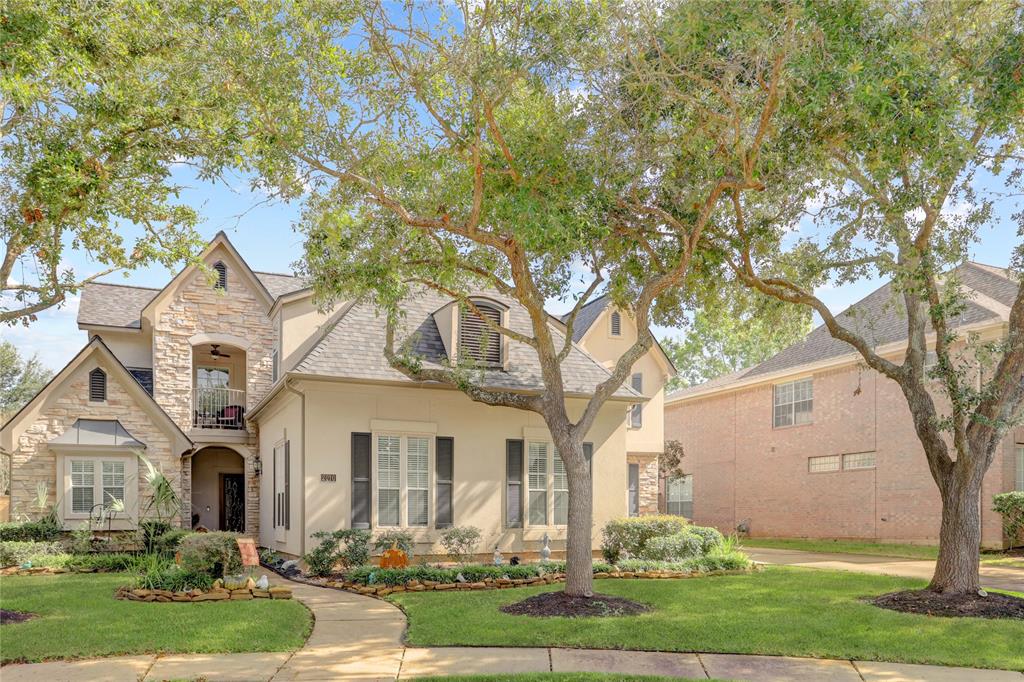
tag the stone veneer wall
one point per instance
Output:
(32, 462)
(196, 308)
(648, 480)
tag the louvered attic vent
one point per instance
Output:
(97, 385)
(477, 341)
(222, 276)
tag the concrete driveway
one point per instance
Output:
(998, 577)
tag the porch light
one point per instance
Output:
(257, 465)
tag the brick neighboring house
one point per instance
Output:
(812, 443)
(277, 419)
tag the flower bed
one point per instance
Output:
(214, 594)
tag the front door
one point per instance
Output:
(232, 502)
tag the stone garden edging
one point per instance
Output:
(214, 594)
(381, 591)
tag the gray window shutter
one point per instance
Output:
(287, 485)
(634, 490)
(588, 454)
(444, 467)
(514, 483)
(361, 492)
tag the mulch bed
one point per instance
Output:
(929, 603)
(8, 617)
(561, 604)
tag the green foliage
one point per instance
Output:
(629, 535)
(716, 561)
(150, 531)
(155, 572)
(711, 538)
(81, 539)
(1011, 506)
(719, 341)
(350, 547)
(215, 553)
(17, 552)
(20, 380)
(42, 530)
(168, 543)
(163, 503)
(677, 547)
(395, 538)
(470, 572)
(460, 542)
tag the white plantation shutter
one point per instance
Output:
(561, 488)
(389, 479)
(477, 341)
(82, 485)
(113, 482)
(537, 475)
(418, 479)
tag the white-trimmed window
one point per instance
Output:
(615, 323)
(560, 485)
(636, 412)
(403, 480)
(679, 496)
(1020, 467)
(94, 481)
(274, 367)
(818, 465)
(859, 460)
(479, 342)
(537, 475)
(793, 402)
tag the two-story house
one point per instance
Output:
(276, 419)
(812, 443)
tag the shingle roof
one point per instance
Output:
(880, 318)
(113, 305)
(352, 348)
(586, 317)
(279, 284)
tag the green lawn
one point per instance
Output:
(903, 551)
(561, 677)
(79, 618)
(780, 611)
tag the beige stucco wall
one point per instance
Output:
(335, 410)
(599, 342)
(33, 462)
(300, 322)
(133, 349)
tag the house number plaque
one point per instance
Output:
(328, 478)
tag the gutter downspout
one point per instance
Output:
(288, 386)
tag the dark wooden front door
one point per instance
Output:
(232, 502)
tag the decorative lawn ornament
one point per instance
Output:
(497, 556)
(394, 558)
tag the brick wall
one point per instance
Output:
(746, 470)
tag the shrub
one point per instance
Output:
(17, 552)
(710, 537)
(150, 531)
(350, 547)
(168, 543)
(716, 561)
(460, 542)
(1011, 507)
(215, 554)
(394, 538)
(676, 547)
(155, 572)
(471, 573)
(81, 539)
(43, 530)
(630, 534)
(101, 562)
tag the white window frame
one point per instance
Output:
(65, 464)
(403, 475)
(676, 484)
(547, 484)
(790, 405)
(558, 490)
(856, 461)
(550, 488)
(824, 464)
(636, 411)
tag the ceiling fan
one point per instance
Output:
(215, 351)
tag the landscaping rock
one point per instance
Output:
(240, 595)
(212, 596)
(261, 594)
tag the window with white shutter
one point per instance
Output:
(83, 485)
(113, 482)
(478, 342)
(679, 496)
(389, 480)
(560, 485)
(418, 480)
(537, 475)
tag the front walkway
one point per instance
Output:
(998, 577)
(359, 638)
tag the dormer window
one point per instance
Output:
(615, 323)
(222, 276)
(477, 340)
(97, 385)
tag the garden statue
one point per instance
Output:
(497, 556)
(545, 551)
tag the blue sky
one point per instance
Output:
(263, 233)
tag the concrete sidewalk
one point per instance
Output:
(358, 638)
(998, 577)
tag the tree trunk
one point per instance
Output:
(579, 570)
(956, 571)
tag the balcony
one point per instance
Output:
(218, 408)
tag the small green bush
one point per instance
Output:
(729, 561)
(168, 543)
(45, 529)
(676, 547)
(1011, 507)
(349, 547)
(471, 573)
(17, 552)
(460, 542)
(629, 535)
(150, 531)
(155, 572)
(394, 538)
(710, 537)
(214, 553)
